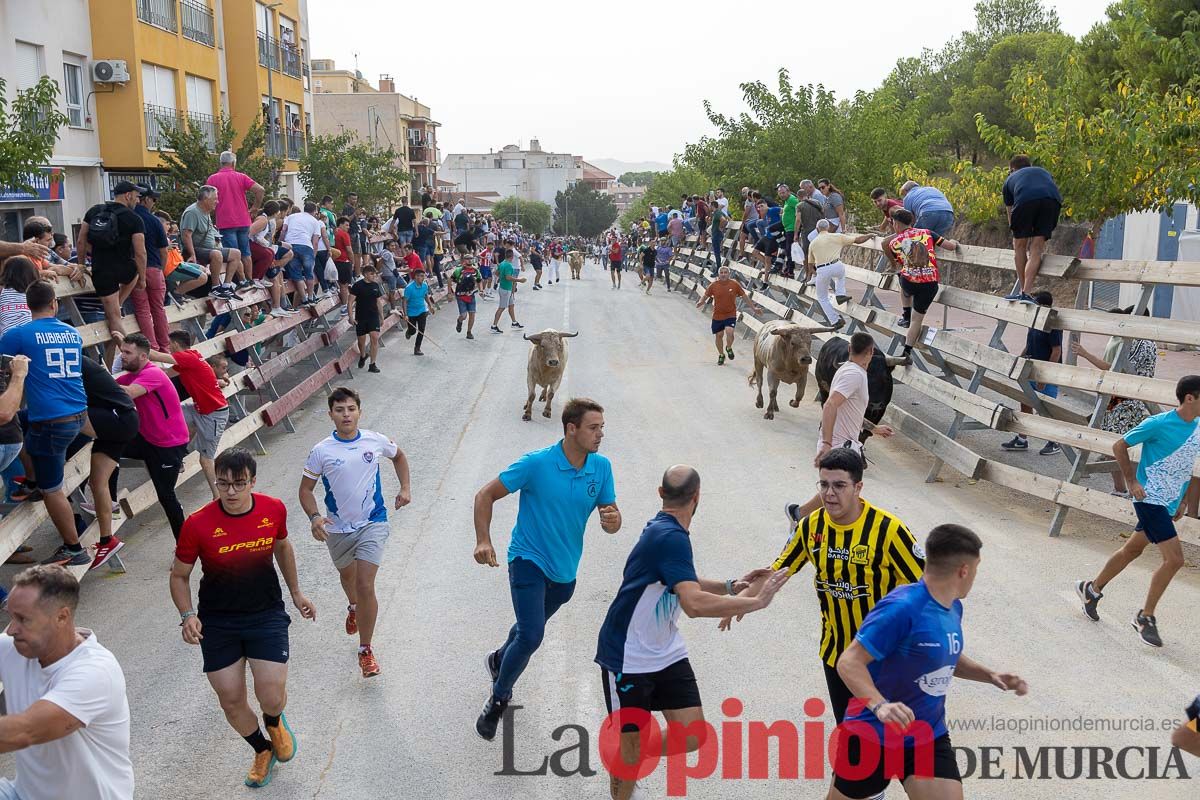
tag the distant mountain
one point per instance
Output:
(617, 168)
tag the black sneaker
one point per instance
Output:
(362, 362)
(65, 557)
(729, 352)
(246, 285)
(458, 326)
(843, 298)
(517, 325)
(1090, 597)
(1050, 449)
(1147, 628)
(1016, 443)
(489, 720)
(470, 335)
(496, 329)
(792, 512)
(374, 368)
(536, 287)
(222, 292)
(492, 662)
(902, 322)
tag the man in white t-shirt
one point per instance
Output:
(355, 525)
(68, 716)
(846, 406)
(303, 232)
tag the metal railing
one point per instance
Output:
(295, 144)
(279, 56)
(275, 143)
(417, 152)
(159, 13)
(268, 52)
(159, 119)
(197, 22)
(207, 125)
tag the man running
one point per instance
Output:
(724, 293)
(466, 279)
(615, 258)
(643, 660)
(859, 553)
(1170, 444)
(649, 255)
(355, 526)
(508, 280)
(240, 619)
(560, 486)
(900, 665)
(367, 316)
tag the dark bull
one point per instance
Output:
(836, 352)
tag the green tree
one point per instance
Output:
(191, 153)
(29, 128)
(637, 178)
(583, 211)
(337, 165)
(1143, 40)
(531, 215)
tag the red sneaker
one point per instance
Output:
(351, 621)
(106, 551)
(367, 663)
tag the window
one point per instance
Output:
(262, 19)
(199, 95)
(29, 65)
(158, 86)
(73, 93)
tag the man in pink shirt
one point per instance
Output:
(233, 218)
(162, 437)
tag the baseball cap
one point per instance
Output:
(124, 187)
(146, 191)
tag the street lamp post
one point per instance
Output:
(271, 117)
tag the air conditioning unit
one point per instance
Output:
(110, 72)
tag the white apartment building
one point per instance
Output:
(531, 174)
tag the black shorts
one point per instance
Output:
(1038, 218)
(767, 245)
(944, 766)
(109, 278)
(345, 272)
(839, 693)
(788, 238)
(670, 688)
(922, 294)
(262, 635)
(113, 430)
(364, 326)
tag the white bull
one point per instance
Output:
(547, 362)
(784, 350)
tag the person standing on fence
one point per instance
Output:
(56, 406)
(643, 660)
(302, 231)
(1033, 203)
(929, 207)
(67, 713)
(1039, 346)
(355, 524)
(405, 222)
(240, 619)
(749, 218)
(788, 203)
(233, 218)
(825, 258)
(115, 238)
(912, 251)
(148, 303)
(162, 432)
(1170, 444)
(560, 487)
(811, 210)
(859, 553)
(724, 292)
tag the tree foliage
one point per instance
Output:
(29, 126)
(583, 211)
(637, 178)
(338, 165)
(190, 154)
(532, 215)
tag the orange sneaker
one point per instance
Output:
(260, 772)
(283, 741)
(368, 664)
(351, 621)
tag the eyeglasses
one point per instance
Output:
(824, 486)
(237, 486)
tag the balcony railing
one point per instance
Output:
(159, 13)
(418, 152)
(279, 56)
(275, 143)
(295, 144)
(197, 22)
(159, 120)
(207, 125)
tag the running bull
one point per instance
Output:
(836, 352)
(547, 361)
(575, 259)
(784, 350)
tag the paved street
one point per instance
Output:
(457, 413)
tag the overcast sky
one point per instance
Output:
(624, 79)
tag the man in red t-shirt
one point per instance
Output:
(238, 540)
(885, 204)
(412, 261)
(208, 416)
(614, 259)
(345, 267)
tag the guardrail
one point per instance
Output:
(951, 369)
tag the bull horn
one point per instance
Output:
(822, 329)
(525, 336)
(570, 335)
(894, 361)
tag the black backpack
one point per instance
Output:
(466, 283)
(104, 229)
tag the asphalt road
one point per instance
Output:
(457, 413)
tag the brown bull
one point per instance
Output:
(575, 259)
(784, 350)
(547, 362)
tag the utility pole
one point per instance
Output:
(271, 51)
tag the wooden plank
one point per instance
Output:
(1172, 273)
(1153, 328)
(273, 326)
(274, 413)
(1027, 316)
(977, 408)
(249, 297)
(750, 322)
(27, 517)
(774, 306)
(1053, 266)
(1090, 379)
(956, 455)
(257, 377)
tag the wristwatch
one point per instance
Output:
(729, 586)
(183, 616)
(313, 515)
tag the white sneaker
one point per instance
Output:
(87, 506)
(280, 312)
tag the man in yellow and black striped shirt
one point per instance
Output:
(859, 552)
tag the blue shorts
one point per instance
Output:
(425, 251)
(719, 325)
(1050, 390)
(237, 239)
(1153, 520)
(485, 273)
(263, 635)
(404, 237)
(302, 265)
(466, 306)
(47, 443)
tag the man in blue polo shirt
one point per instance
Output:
(560, 486)
(900, 667)
(931, 208)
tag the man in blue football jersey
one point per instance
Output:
(900, 667)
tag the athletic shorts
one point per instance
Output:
(466, 306)
(847, 444)
(505, 298)
(719, 325)
(922, 294)
(109, 279)
(364, 544)
(767, 245)
(204, 254)
(485, 273)
(648, 270)
(1154, 521)
(670, 688)
(363, 327)
(944, 766)
(262, 635)
(207, 429)
(113, 430)
(345, 272)
(1038, 218)
(616, 265)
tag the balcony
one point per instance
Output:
(295, 144)
(159, 120)
(207, 125)
(197, 22)
(275, 143)
(159, 13)
(417, 153)
(279, 56)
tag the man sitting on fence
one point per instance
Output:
(198, 234)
